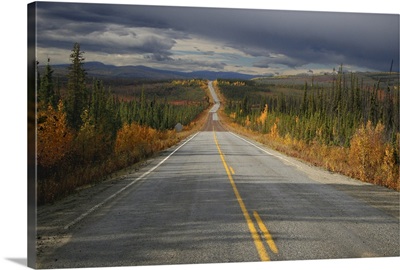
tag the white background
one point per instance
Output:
(13, 113)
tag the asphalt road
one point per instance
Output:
(218, 197)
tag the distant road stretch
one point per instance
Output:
(218, 197)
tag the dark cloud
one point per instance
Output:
(284, 60)
(209, 53)
(204, 52)
(299, 38)
(159, 57)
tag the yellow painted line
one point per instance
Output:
(266, 233)
(232, 171)
(262, 252)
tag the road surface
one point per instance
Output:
(218, 197)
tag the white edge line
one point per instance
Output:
(265, 151)
(127, 186)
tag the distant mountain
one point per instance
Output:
(212, 75)
(99, 70)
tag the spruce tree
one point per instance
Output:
(76, 98)
(305, 99)
(46, 95)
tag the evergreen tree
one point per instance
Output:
(57, 91)
(142, 110)
(46, 94)
(304, 105)
(103, 110)
(77, 95)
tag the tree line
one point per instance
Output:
(85, 131)
(345, 116)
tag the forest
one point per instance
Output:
(345, 124)
(87, 130)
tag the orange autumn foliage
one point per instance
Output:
(135, 142)
(53, 136)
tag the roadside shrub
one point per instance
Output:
(54, 137)
(372, 160)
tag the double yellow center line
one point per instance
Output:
(262, 252)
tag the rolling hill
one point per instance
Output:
(100, 70)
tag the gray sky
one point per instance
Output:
(242, 40)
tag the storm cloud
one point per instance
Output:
(257, 40)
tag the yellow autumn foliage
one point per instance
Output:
(274, 133)
(247, 121)
(366, 149)
(371, 158)
(264, 114)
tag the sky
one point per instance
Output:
(252, 41)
